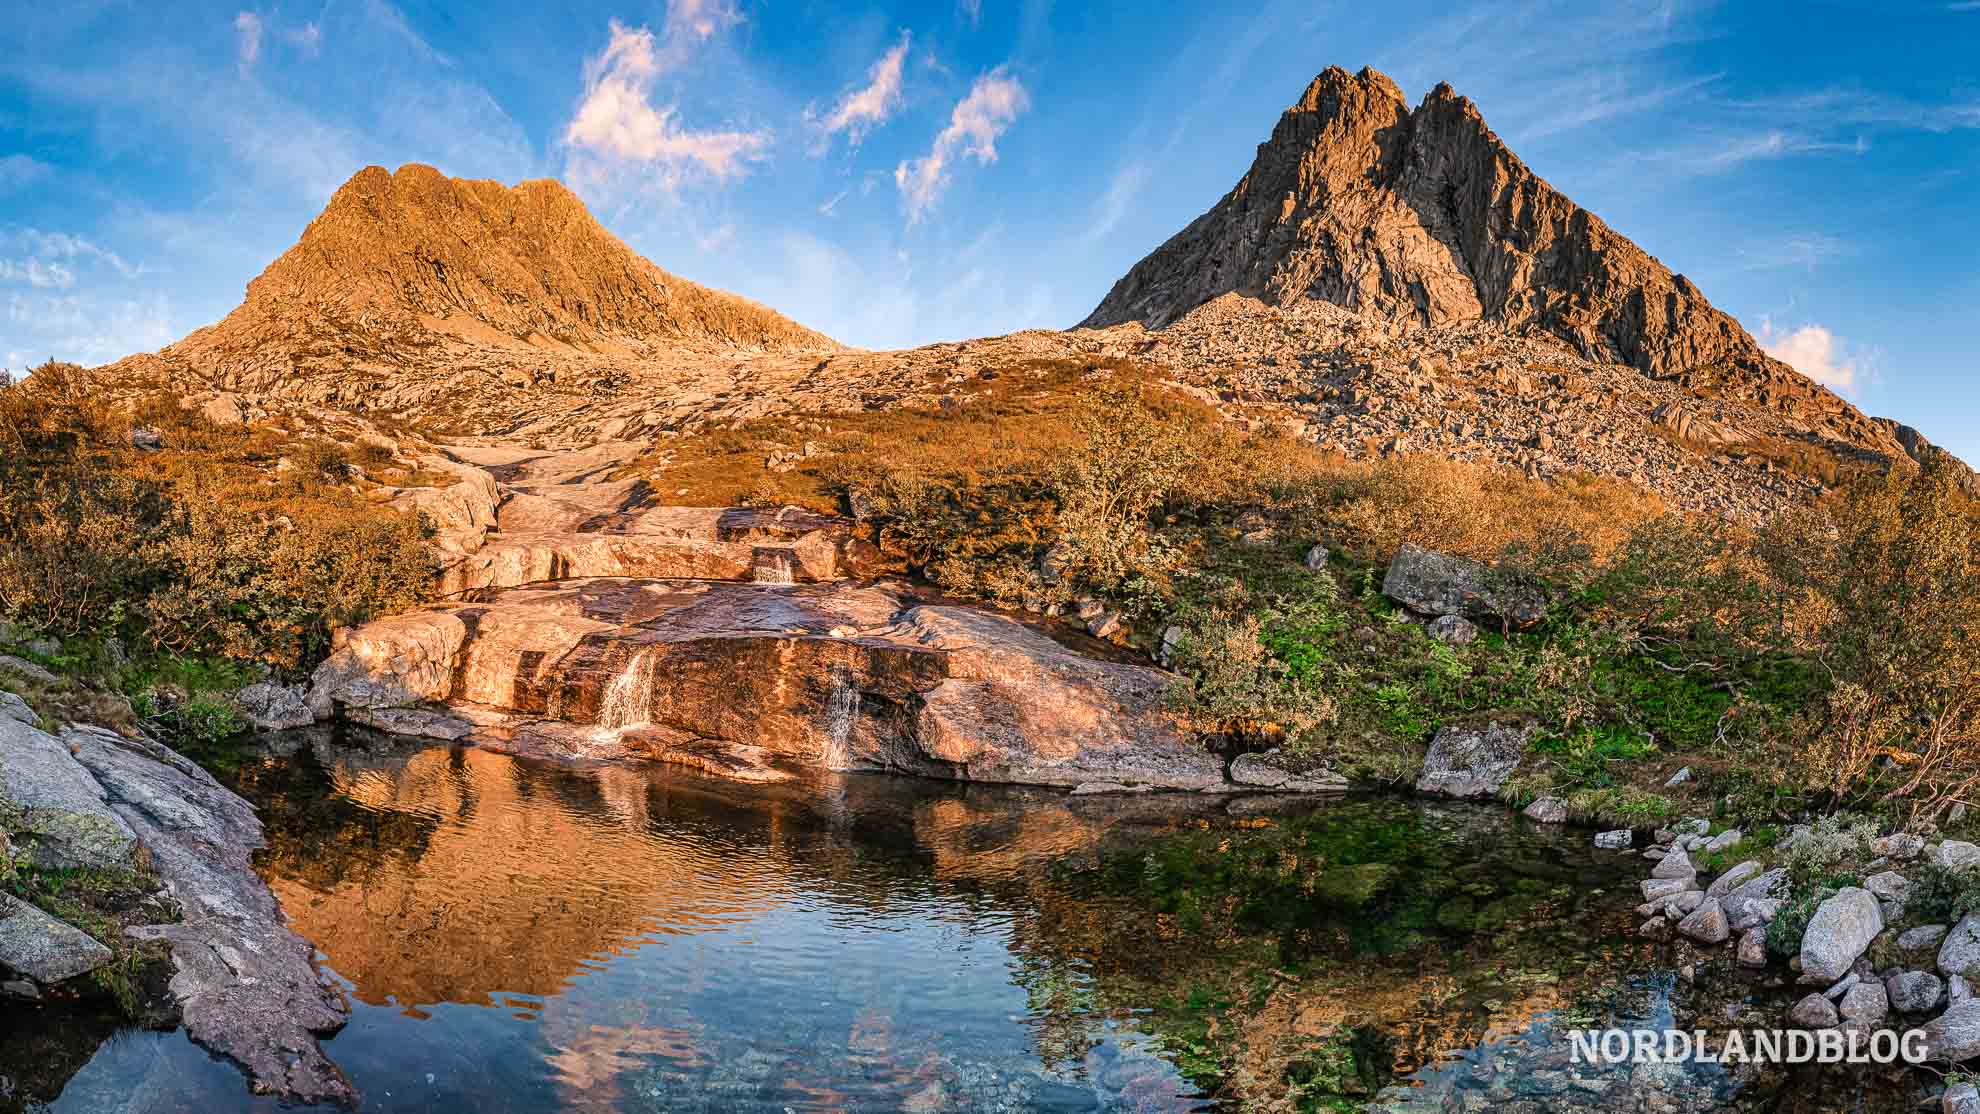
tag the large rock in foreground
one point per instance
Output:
(248, 988)
(842, 676)
(1841, 929)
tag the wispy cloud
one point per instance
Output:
(1612, 95)
(972, 10)
(1803, 251)
(21, 170)
(1728, 152)
(1819, 354)
(994, 102)
(1113, 205)
(60, 248)
(869, 106)
(619, 125)
(247, 38)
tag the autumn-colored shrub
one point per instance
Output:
(1888, 580)
(185, 547)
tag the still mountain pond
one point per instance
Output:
(522, 936)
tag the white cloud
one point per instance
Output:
(972, 10)
(247, 38)
(84, 328)
(618, 122)
(57, 251)
(1819, 354)
(829, 209)
(993, 104)
(1803, 251)
(867, 108)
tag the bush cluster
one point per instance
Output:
(188, 548)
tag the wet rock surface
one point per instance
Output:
(842, 675)
(248, 987)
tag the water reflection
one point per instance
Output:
(520, 936)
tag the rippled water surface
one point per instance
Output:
(519, 936)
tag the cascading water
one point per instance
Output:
(773, 566)
(628, 700)
(841, 703)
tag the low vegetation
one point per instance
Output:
(146, 524)
(1827, 659)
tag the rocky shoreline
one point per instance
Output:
(1868, 965)
(244, 986)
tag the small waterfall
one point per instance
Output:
(773, 566)
(628, 700)
(841, 704)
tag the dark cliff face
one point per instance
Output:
(1424, 214)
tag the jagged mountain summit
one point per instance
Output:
(1424, 214)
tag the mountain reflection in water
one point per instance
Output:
(523, 936)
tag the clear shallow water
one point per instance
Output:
(520, 936)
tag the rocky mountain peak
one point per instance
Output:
(1425, 214)
(412, 269)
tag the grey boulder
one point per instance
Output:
(1443, 584)
(1954, 1035)
(1841, 929)
(1473, 760)
(1959, 952)
(50, 800)
(1914, 991)
(1547, 810)
(36, 945)
(1706, 924)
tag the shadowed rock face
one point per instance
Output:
(846, 676)
(1360, 201)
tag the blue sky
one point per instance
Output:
(896, 174)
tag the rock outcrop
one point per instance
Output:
(1441, 584)
(1472, 760)
(52, 808)
(850, 676)
(248, 988)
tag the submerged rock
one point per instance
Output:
(1473, 760)
(1814, 1012)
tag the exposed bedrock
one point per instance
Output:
(747, 678)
